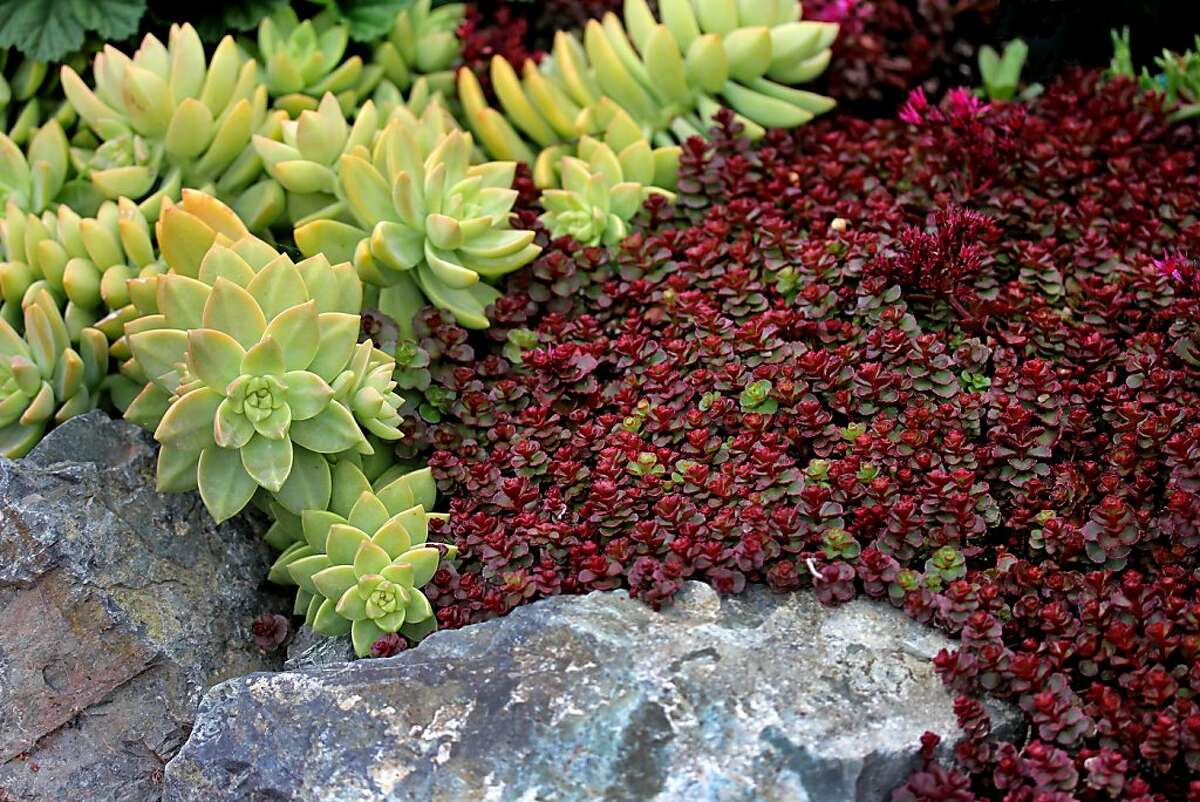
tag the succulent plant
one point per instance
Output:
(29, 97)
(422, 42)
(669, 77)
(306, 158)
(43, 380)
(362, 561)
(169, 118)
(303, 61)
(260, 371)
(425, 226)
(35, 180)
(1001, 73)
(600, 193)
(87, 261)
(1177, 79)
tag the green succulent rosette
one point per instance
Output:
(86, 262)
(43, 379)
(34, 180)
(669, 74)
(302, 61)
(601, 195)
(253, 366)
(169, 118)
(362, 562)
(305, 159)
(423, 42)
(429, 228)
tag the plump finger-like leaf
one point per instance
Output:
(334, 239)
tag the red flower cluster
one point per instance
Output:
(934, 361)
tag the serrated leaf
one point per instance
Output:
(50, 31)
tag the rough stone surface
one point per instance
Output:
(308, 649)
(118, 608)
(760, 698)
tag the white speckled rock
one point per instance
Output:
(760, 698)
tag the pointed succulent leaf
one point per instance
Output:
(225, 486)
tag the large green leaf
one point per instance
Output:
(47, 31)
(367, 19)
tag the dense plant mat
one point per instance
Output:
(948, 360)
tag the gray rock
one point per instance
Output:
(119, 607)
(308, 649)
(761, 698)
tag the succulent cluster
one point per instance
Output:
(360, 564)
(45, 378)
(427, 224)
(170, 117)
(1177, 78)
(422, 42)
(302, 60)
(86, 261)
(665, 78)
(253, 367)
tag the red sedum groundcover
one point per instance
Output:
(949, 360)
